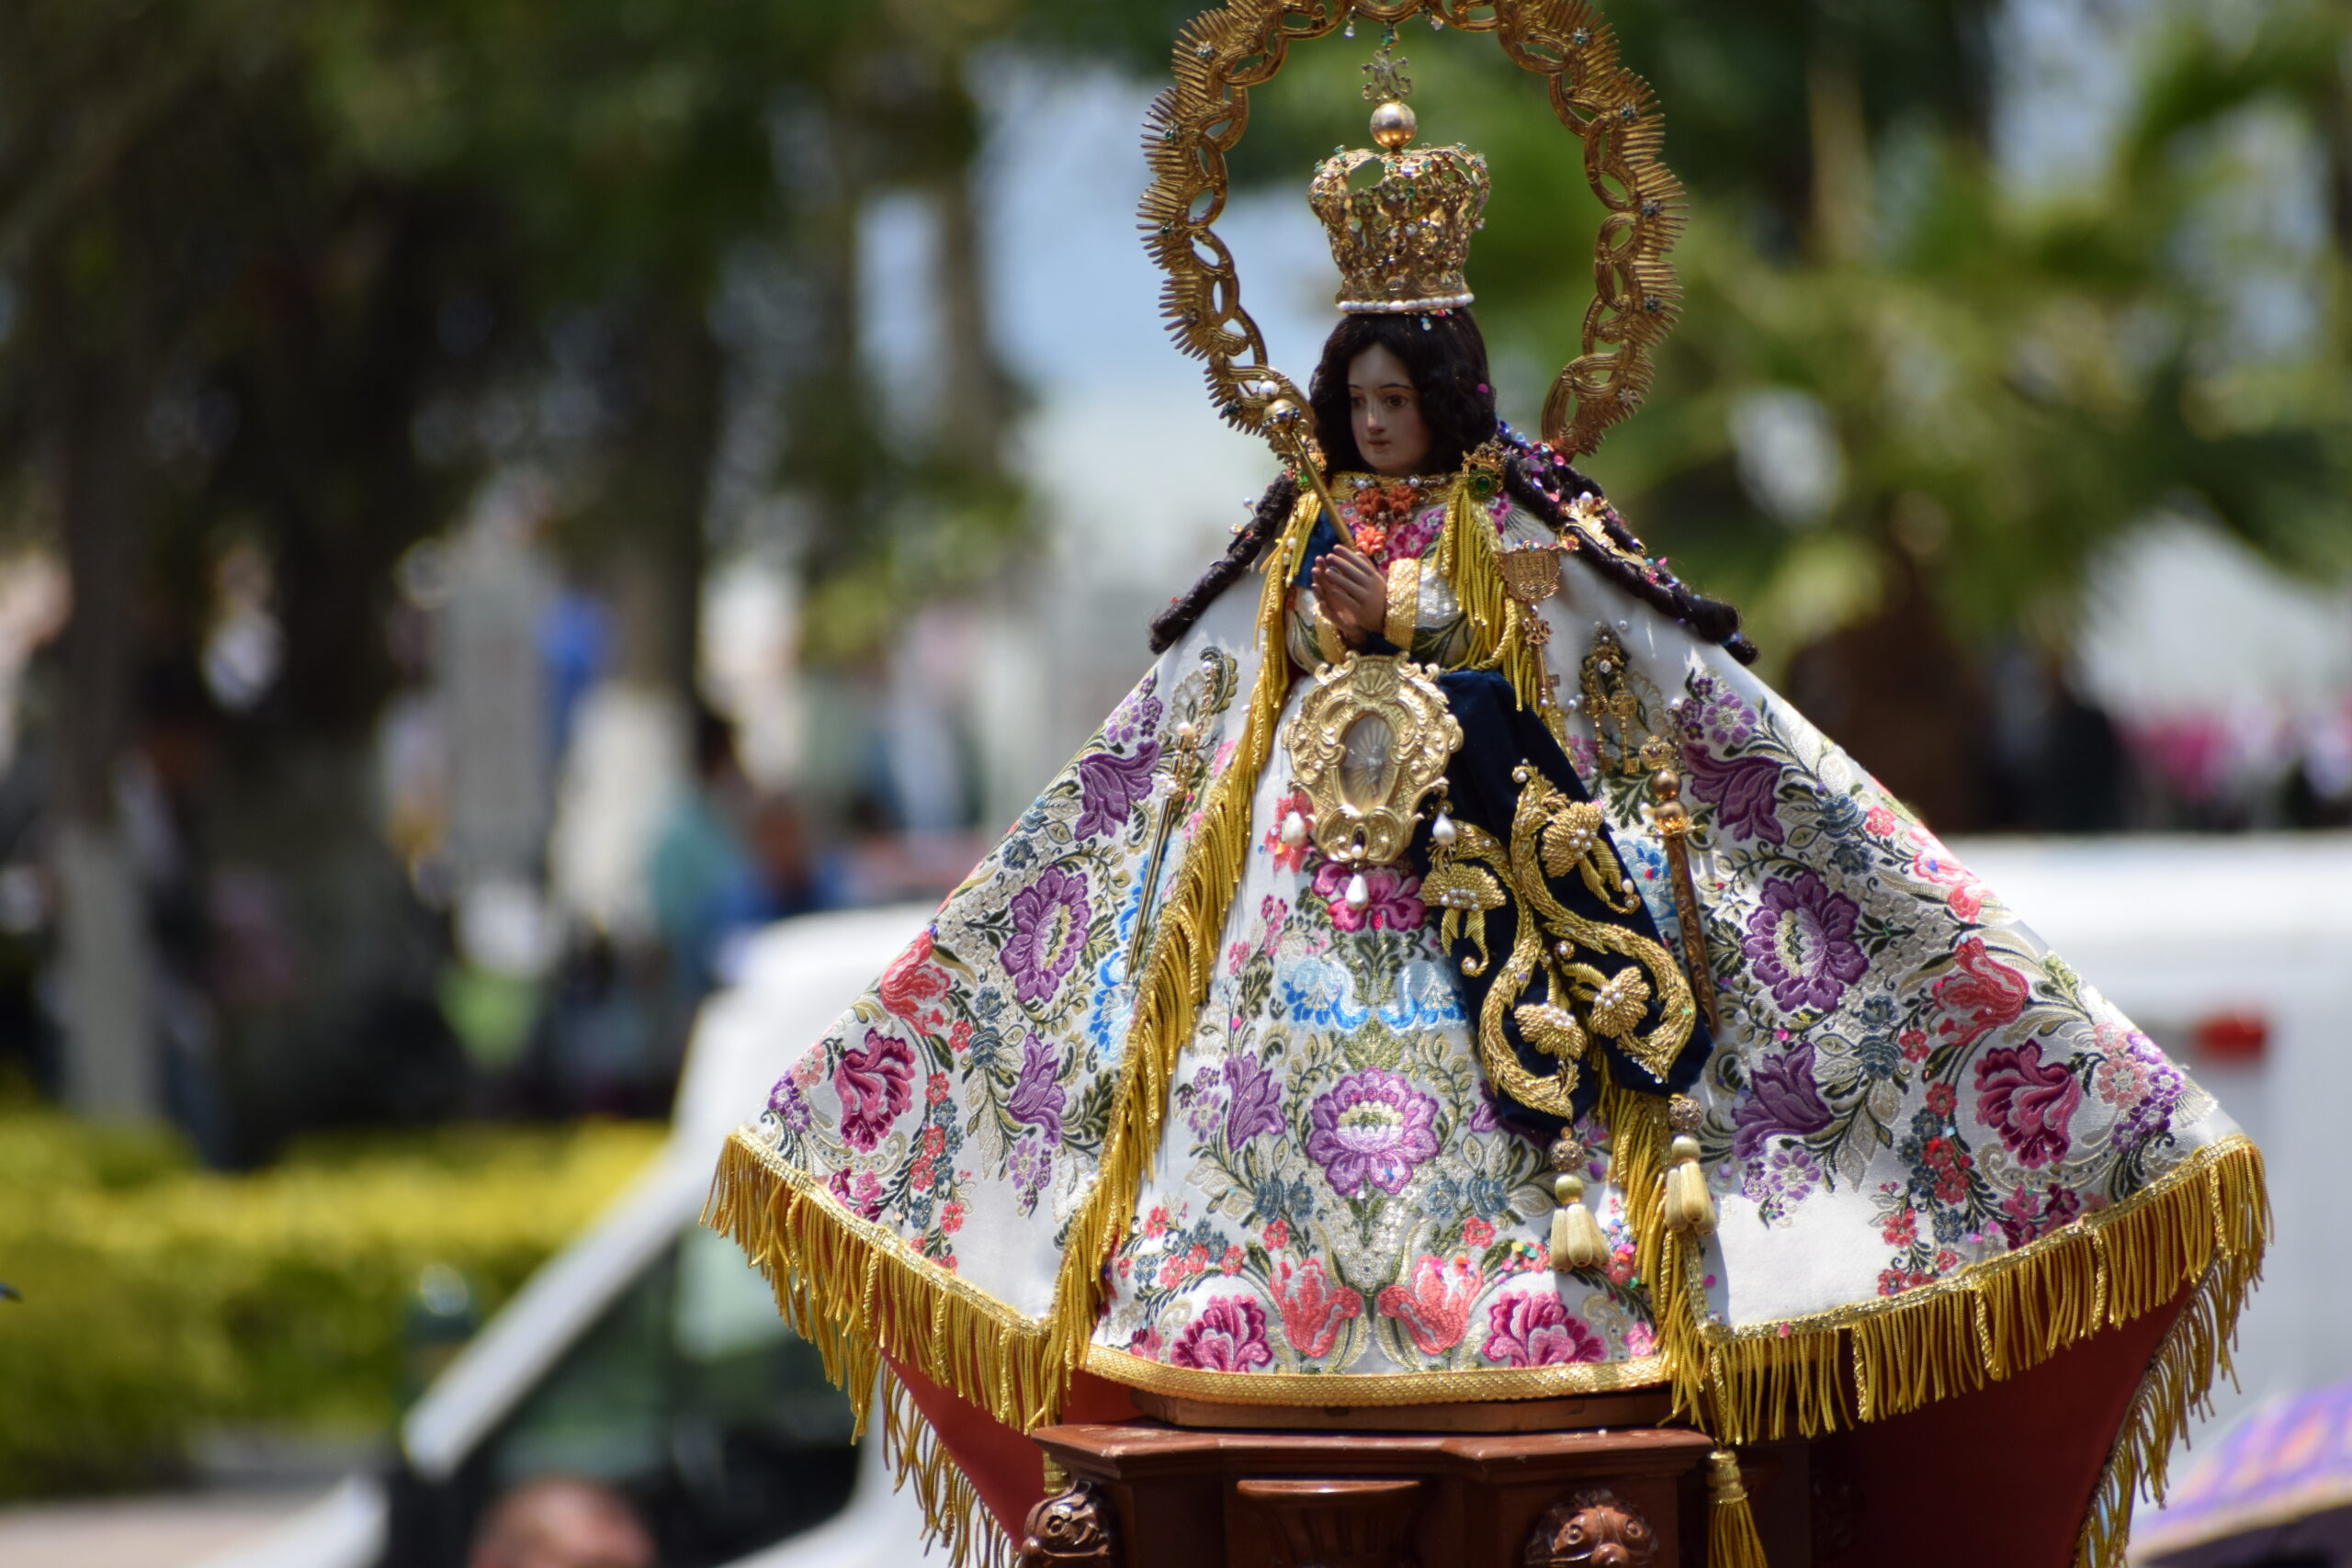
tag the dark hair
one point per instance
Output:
(1445, 354)
(1448, 363)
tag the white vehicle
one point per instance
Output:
(649, 1352)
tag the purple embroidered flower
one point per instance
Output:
(1138, 714)
(1742, 791)
(790, 1104)
(873, 1081)
(2160, 1092)
(1782, 1097)
(1204, 1102)
(1031, 1167)
(1371, 1129)
(1109, 788)
(1256, 1101)
(2026, 1101)
(1532, 1328)
(1801, 940)
(1228, 1336)
(1049, 919)
(1037, 1099)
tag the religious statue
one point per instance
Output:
(1451, 975)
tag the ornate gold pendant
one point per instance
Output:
(1368, 745)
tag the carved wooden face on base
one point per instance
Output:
(1386, 411)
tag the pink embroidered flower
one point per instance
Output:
(1290, 857)
(1621, 1266)
(1942, 1098)
(860, 1194)
(1156, 1223)
(919, 1174)
(874, 1081)
(935, 1088)
(951, 1216)
(1914, 1044)
(913, 986)
(1313, 1308)
(1933, 862)
(1901, 1227)
(2027, 1101)
(1275, 914)
(1395, 906)
(1641, 1339)
(1228, 1336)
(1878, 820)
(959, 1038)
(1532, 1328)
(1231, 1262)
(1434, 1303)
(1277, 1234)
(1988, 993)
(1894, 1282)
(1477, 1233)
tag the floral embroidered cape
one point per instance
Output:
(1917, 1115)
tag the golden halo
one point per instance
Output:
(1221, 54)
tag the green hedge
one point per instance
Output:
(159, 1297)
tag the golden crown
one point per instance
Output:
(1400, 240)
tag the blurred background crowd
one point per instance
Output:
(501, 502)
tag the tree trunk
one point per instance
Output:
(111, 1067)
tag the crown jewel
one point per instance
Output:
(1400, 240)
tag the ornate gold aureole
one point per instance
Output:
(1197, 121)
(1368, 745)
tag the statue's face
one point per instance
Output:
(1386, 413)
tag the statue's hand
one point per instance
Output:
(1352, 592)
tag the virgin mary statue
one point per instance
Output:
(1450, 975)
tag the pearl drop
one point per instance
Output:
(1441, 831)
(1294, 829)
(1359, 892)
(1624, 626)
(1575, 705)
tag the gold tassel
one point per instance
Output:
(1732, 1540)
(1576, 1241)
(1690, 1207)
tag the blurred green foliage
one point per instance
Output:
(159, 1298)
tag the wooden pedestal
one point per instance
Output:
(1151, 1496)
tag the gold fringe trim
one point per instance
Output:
(1498, 641)
(954, 1517)
(2205, 1223)
(1176, 976)
(854, 1289)
(2178, 1385)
